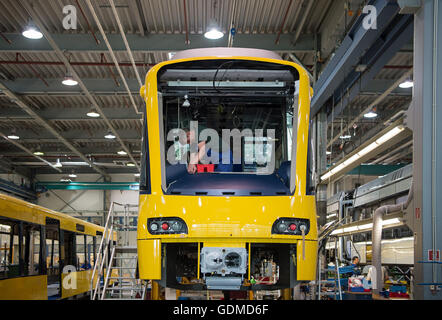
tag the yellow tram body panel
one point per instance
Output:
(225, 220)
(24, 288)
(21, 210)
(35, 287)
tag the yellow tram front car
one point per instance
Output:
(246, 222)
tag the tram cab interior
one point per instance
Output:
(223, 95)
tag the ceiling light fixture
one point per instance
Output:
(130, 164)
(13, 136)
(370, 115)
(69, 80)
(39, 153)
(58, 164)
(186, 102)
(136, 174)
(31, 32)
(214, 34)
(122, 153)
(72, 175)
(406, 84)
(93, 114)
(386, 137)
(110, 135)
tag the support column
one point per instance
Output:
(321, 165)
(106, 200)
(425, 118)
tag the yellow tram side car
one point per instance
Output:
(39, 247)
(244, 223)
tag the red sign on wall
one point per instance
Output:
(433, 256)
(417, 213)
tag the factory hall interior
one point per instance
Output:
(226, 150)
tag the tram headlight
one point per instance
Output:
(290, 226)
(153, 226)
(166, 225)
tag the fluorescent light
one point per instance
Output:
(365, 226)
(122, 153)
(72, 175)
(13, 136)
(370, 115)
(337, 231)
(390, 134)
(130, 164)
(39, 153)
(328, 153)
(345, 137)
(65, 179)
(31, 32)
(214, 34)
(350, 229)
(93, 114)
(136, 174)
(69, 81)
(387, 136)
(109, 135)
(368, 149)
(390, 221)
(407, 84)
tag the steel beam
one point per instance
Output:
(354, 45)
(76, 135)
(382, 51)
(29, 86)
(75, 42)
(62, 113)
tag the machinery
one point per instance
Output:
(244, 222)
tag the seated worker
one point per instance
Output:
(194, 158)
(355, 265)
(369, 276)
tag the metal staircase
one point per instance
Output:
(115, 271)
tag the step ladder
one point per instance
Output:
(115, 274)
(322, 279)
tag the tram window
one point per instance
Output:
(81, 252)
(89, 252)
(6, 254)
(70, 249)
(53, 256)
(32, 256)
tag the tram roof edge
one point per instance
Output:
(226, 52)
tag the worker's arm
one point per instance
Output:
(196, 157)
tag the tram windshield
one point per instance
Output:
(227, 126)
